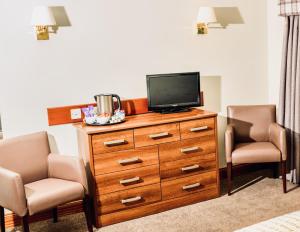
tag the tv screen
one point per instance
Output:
(177, 90)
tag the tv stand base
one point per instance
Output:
(174, 110)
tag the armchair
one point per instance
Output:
(253, 136)
(33, 180)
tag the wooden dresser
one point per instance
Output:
(150, 163)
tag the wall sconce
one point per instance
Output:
(206, 15)
(42, 18)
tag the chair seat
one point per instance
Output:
(49, 193)
(257, 152)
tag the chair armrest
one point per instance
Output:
(67, 168)
(277, 136)
(229, 142)
(12, 192)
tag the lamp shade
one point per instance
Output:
(206, 15)
(42, 16)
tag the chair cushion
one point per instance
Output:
(49, 193)
(258, 152)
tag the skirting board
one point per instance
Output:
(12, 220)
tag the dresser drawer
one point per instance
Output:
(188, 167)
(187, 148)
(156, 134)
(197, 128)
(128, 179)
(124, 160)
(115, 141)
(129, 198)
(187, 185)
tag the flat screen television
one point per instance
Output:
(173, 92)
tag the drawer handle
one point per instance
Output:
(201, 128)
(192, 186)
(160, 135)
(129, 161)
(115, 142)
(190, 168)
(130, 200)
(189, 149)
(129, 181)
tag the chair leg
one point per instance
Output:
(229, 178)
(275, 170)
(2, 219)
(25, 223)
(283, 173)
(54, 215)
(87, 212)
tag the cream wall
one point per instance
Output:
(275, 41)
(111, 46)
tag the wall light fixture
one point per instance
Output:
(206, 15)
(42, 19)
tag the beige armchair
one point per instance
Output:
(32, 180)
(253, 136)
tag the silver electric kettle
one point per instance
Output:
(105, 104)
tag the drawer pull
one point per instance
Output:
(129, 181)
(201, 128)
(190, 168)
(130, 200)
(129, 161)
(115, 142)
(189, 149)
(160, 135)
(192, 186)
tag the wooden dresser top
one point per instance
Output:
(148, 119)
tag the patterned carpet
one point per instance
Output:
(258, 198)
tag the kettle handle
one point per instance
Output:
(119, 101)
(96, 97)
